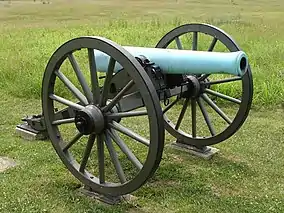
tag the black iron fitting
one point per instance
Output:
(36, 122)
(157, 77)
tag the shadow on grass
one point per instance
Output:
(186, 175)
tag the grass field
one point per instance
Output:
(246, 176)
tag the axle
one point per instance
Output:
(173, 61)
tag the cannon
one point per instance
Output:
(106, 107)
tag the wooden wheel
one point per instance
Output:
(222, 102)
(94, 137)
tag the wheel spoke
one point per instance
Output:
(115, 160)
(212, 45)
(72, 142)
(108, 78)
(220, 95)
(227, 80)
(129, 133)
(203, 77)
(118, 115)
(94, 76)
(63, 121)
(193, 117)
(181, 115)
(178, 43)
(210, 49)
(66, 102)
(87, 152)
(170, 105)
(124, 148)
(71, 87)
(81, 78)
(206, 117)
(194, 41)
(216, 108)
(118, 96)
(101, 158)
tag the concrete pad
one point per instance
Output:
(205, 153)
(25, 132)
(6, 163)
(109, 200)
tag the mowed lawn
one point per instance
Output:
(245, 176)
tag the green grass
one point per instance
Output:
(246, 176)
(32, 31)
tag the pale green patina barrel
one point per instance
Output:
(173, 61)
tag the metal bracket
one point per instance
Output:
(33, 128)
(107, 199)
(205, 152)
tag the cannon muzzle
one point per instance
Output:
(173, 61)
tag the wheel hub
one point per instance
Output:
(193, 87)
(89, 120)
